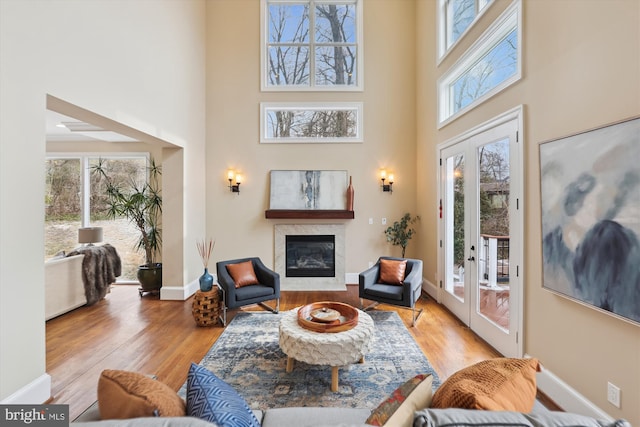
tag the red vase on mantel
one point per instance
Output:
(350, 195)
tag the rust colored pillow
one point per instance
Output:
(123, 394)
(500, 384)
(243, 274)
(392, 271)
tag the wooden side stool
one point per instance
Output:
(206, 307)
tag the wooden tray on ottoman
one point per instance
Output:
(310, 317)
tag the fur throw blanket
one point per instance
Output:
(100, 267)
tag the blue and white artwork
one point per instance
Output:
(308, 189)
(590, 201)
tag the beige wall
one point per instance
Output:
(138, 63)
(237, 222)
(581, 67)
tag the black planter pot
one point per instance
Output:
(150, 277)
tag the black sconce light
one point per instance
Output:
(234, 188)
(383, 177)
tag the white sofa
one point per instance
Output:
(64, 289)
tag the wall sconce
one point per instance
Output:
(234, 188)
(383, 177)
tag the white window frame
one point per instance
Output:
(311, 87)
(265, 107)
(444, 29)
(510, 19)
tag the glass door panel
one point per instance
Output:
(493, 241)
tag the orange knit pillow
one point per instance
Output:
(392, 271)
(123, 394)
(243, 274)
(500, 384)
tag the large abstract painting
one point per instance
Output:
(308, 189)
(590, 200)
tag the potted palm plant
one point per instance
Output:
(400, 232)
(141, 203)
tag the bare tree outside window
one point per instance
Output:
(302, 123)
(496, 66)
(312, 49)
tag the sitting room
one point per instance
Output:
(215, 91)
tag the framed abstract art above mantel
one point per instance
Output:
(308, 189)
(590, 212)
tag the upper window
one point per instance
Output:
(456, 16)
(490, 65)
(311, 122)
(311, 45)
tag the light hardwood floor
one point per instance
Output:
(125, 331)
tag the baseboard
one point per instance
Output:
(430, 289)
(179, 293)
(36, 392)
(567, 397)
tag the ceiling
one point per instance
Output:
(75, 130)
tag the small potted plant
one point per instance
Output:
(142, 205)
(400, 232)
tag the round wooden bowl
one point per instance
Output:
(348, 317)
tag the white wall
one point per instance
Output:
(139, 63)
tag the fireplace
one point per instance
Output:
(310, 255)
(314, 237)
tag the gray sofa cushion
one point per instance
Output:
(476, 418)
(148, 422)
(314, 417)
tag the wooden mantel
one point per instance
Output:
(308, 214)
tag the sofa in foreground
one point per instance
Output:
(497, 392)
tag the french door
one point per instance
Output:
(480, 259)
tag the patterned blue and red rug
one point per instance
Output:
(247, 357)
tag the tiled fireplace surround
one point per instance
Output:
(336, 283)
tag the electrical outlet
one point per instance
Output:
(370, 221)
(613, 394)
(384, 221)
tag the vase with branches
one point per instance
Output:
(205, 248)
(401, 231)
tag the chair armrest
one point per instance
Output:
(368, 277)
(226, 282)
(415, 275)
(265, 275)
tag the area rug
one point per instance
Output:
(247, 356)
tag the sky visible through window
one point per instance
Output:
(311, 49)
(495, 67)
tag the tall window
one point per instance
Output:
(456, 17)
(490, 65)
(311, 44)
(74, 199)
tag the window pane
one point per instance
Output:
(311, 124)
(288, 23)
(119, 232)
(288, 65)
(496, 66)
(313, 51)
(460, 14)
(335, 23)
(62, 206)
(336, 65)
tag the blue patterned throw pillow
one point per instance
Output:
(209, 398)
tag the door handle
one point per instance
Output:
(471, 258)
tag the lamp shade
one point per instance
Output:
(90, 234)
